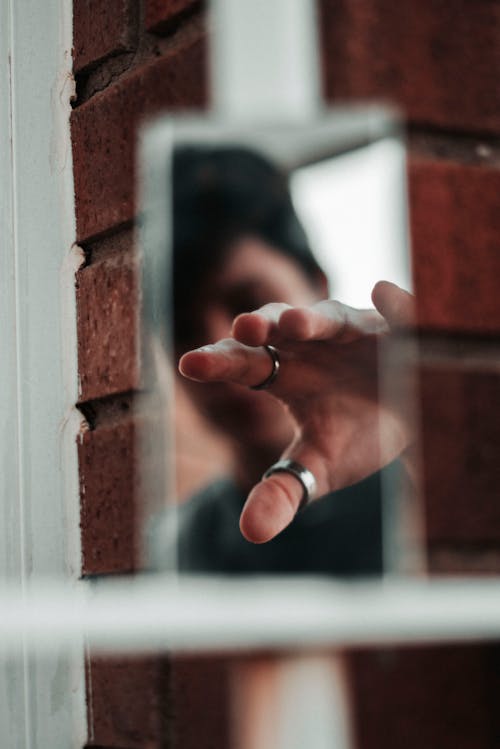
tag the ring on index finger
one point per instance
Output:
(275, 359)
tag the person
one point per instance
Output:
(238, 247)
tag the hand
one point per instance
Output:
(328, 379)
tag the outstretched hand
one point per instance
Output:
(328, 379)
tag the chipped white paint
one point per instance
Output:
(42, 700)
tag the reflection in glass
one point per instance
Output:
(248, 231)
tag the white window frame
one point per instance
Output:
(43, 701)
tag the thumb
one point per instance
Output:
(273, 502)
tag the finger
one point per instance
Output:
(271, 506)
(259, 327)
(328, 320)
(396, 305)
(227, 361)
(273, 502)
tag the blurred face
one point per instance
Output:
(253, 274)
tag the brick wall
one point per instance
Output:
(124, 74)
(441, 63)
(131, 59)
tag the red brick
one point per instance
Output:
(160, 13)
(104, 131)
(200, 687)
(424, 697)
(439, 61)
(101, 28)
(455, 226)
(461, 439)
(128, 702)
(463, 559)
(107, 321)
(108, 483)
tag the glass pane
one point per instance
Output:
(296, 216)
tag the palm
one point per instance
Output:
(338, 412)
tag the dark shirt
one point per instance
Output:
(339, 534)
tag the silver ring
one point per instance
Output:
(276, 368)
(301, 473)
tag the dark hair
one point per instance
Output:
(221, 194)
